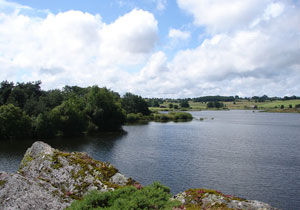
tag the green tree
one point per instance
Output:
(184, 103)
(14, 123)
(135, 104)
(46, 125)
(69, 117)
(5, 90)
(104, 110)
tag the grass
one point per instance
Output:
(269, 106)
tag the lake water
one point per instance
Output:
(254, 155)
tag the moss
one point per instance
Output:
(2, 182)
(88, 167)
(55, 193)
(106, 170)
(56, 164)
(194, 198)
(25, 161)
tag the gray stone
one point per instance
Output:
(119, 179)
(51, 179)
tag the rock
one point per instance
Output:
(211, 199)
(19, 192)
(52, 179)
(119, 179)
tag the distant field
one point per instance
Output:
(273, 106)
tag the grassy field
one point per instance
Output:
(269, 106)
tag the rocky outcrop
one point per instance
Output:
(211, 199)
(51, 179)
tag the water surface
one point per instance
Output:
(248, 154)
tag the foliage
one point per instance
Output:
(173, 116)
(46, 125)
(214, 98)
(155, 196)
(134, 104)
(184, 104)
(14, 123)
(215, 104)
(104, 110)
(69, 117)
(138, 118)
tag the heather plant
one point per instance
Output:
(154, 196)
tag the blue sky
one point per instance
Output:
(154, 48)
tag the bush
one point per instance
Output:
(173, 116)
(134, 118)
(155, 196)
(181, 116)
(297, 106)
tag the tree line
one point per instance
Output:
(156, 102)
(27, 111)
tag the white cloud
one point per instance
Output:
(161, 4)
(253, 49)
(178, 34)
(74, 47)
(219, 16)
(256, 60)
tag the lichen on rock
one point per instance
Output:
(58, 176)
(212, 199)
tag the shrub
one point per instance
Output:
(155, 196)
(297, 106)
(173, 116)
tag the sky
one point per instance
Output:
(154, 48)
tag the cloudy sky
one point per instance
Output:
(154, 48)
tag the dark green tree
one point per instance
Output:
(135, 104)
(46, 125)
(184, 103)
(5, 90)
(104, 110)
(69, 117)
(14, 123)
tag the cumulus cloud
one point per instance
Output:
(73, 47)
(178, 34)
(219, 16)
(261, 57)
(253, 48)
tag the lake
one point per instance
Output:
(255, 155)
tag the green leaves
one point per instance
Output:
(155, 196)
(14, 123)
(134, 104)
